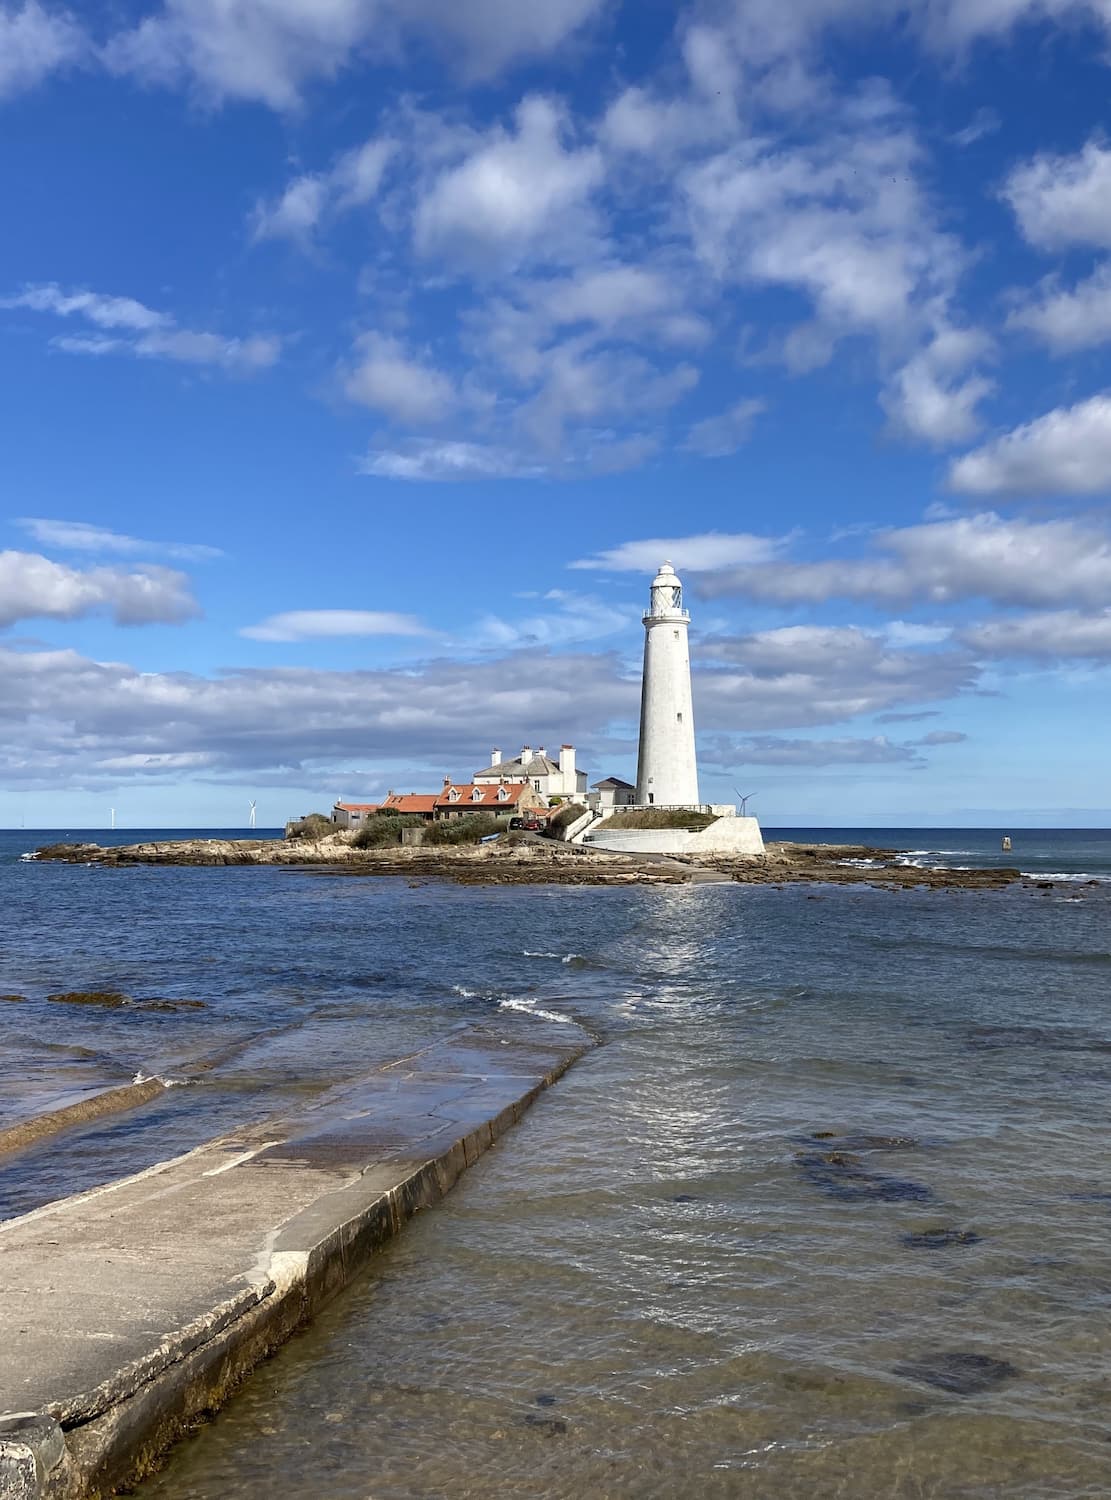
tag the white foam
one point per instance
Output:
(533, 953)
(1061, 875)
(530, 1008)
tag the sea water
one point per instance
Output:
(825, 1213)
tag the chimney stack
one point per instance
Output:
(526, 755)
(540, 751)
(567, 767)
(495, 757)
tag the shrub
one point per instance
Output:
(380, 830)
(467, 829)
(313, 827)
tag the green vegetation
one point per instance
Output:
(660, 817)
(467, 829)
(382, 829)
(569, 813)
(313, 827)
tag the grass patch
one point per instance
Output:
(569, 813)
(383, 829)
(660, 817)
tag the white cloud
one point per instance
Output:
(1064, 200)
(388, 378)
(142, 331)
(771, 750)
(268, 50)
(317, 624)
(1057, 634)
(449, 460)
(1066, 451)
(809, 674)
(95, 307)
(1067, 320)
(702, 553)
(68, 721)
(942, 737)
(573, 619)
(353, 180)
(296, 213)
(840, 218)
(986, 121)
(81, 536)
(35, 42)
(33, 587)
(717, 437)
(1011, 562)
(931, 397)
(516, 194)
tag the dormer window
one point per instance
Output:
(503, 795)
(476, 795)
(453, 795)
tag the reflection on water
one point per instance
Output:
(688, 1271)
(827, 1214)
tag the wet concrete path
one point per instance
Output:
(130, 1310)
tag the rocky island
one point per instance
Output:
(524, 859)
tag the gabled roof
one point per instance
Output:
(616, 782)
(513, 770)
(465, 794)
(410, 802)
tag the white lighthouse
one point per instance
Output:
(667, 771)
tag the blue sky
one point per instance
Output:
(363, 358)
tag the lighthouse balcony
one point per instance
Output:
(671, 616)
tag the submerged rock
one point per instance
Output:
(553, 1426)
(113, 999)
(850, 1142)
(843, 1175)
(13, 999)
(960, 1373)
(940, 1239)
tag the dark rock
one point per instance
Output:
(685, 1198)
(851, 1142)
(958, 1372)
(13, 999)
(113, 999)
(939, 1239)
(170, 1005)
(553, 1426)
(545, 1398)
(843, 1175)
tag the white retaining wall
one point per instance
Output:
(726, 836)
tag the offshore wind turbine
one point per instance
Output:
(252, 823)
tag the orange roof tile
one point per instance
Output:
(489, 798)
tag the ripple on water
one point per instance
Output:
(640, 1291)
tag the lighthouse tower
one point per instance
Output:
(667, 772)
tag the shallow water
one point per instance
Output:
(712, 1261)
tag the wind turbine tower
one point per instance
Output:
(252, 823)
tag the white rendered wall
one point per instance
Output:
(667, 771)
(726, 836)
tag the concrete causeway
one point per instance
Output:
(131, 1311)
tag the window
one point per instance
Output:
(476, 795)
(679, 717)
(675, 633)
(536, 784)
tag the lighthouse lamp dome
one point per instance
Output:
(667, 595)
